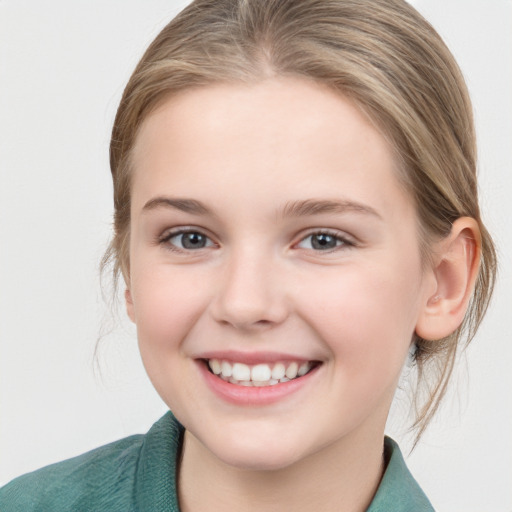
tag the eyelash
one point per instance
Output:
(166, 238)
(342, 241)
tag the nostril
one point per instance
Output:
(247, 324)
(263, 322)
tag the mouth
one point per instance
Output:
(261, 374)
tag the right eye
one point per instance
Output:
(187, 240)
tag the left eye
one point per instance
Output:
(322, 242)
(189, 240)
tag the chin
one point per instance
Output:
(259, 460)
(256, 455)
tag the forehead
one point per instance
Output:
(279, 134)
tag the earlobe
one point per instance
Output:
(457, 259)
(129, 304)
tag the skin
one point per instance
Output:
(260, 286)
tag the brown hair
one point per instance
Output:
(383, 56)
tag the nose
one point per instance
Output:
(250, 293)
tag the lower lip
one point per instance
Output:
(252, 395)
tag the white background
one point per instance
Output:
(63, 66)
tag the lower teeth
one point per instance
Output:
(256, 384)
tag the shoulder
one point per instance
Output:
(398, 490)
(135, 473)
(80, 483)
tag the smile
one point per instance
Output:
(259, 375)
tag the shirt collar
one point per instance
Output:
(156, 474)
(398, 490)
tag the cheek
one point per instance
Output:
(366, 313)
(166, 304)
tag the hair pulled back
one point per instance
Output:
(380, 54)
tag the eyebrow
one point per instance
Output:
(301, 208)
(184, 205)
(310, 207)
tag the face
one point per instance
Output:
(275, 274)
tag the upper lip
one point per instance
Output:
(252, 358)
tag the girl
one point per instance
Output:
(295, 215)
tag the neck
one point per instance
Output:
(344, 476)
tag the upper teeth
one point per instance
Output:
(260, 374)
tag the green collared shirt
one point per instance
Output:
(138, 474)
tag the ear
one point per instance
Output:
(456, 264)
(129, 304)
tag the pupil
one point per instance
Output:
(323, 242)
(193, 240)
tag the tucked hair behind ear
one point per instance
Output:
(383, 56)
